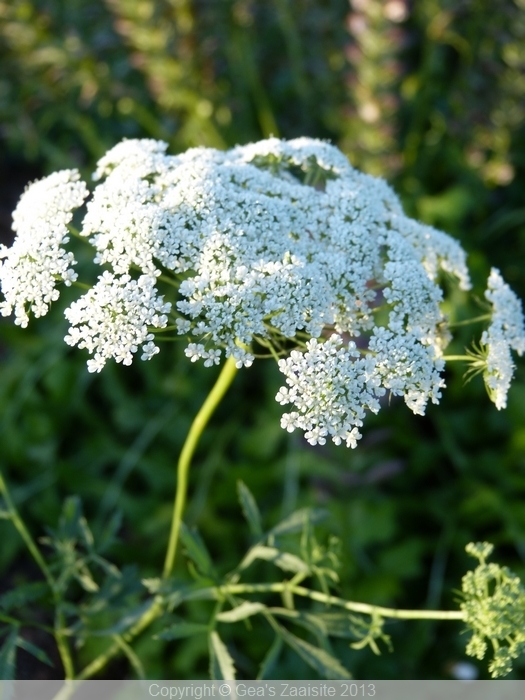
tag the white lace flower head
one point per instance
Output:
(115, 317)
(330, 386)
(278, 247)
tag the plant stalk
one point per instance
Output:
(364, 608)
(200, 421)
(60, 638)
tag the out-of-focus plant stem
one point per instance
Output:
(62, 644)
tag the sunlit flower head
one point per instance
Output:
(276, 248)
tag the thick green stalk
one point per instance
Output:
(201, 419)
(61, 640)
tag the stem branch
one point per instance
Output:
(364, 608)
(469, 321)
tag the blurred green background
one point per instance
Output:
(428, 94)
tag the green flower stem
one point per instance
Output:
(60, 638)
(469, 321)
(213, 399)
(171, 282)
(154, 329)
(170, 339)
(268, 344)
(73, 230)
(63, 644)
(98, 664)
(80, 285)
(457, 358)
(364, 608)
(132, 657)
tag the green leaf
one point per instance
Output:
(174, 587)
(308, 621)
(69, 524)
(221, 663)
(320, 660)
(8, 656)
(8, 620)
(284, 560)
(296, 521)
(127, 621)
(337, 624)
(85, 532)
(196, 551)
(241, 612)
(250, 509)
(179, 630)
(29, 489)
(115, 592)
(109, 533)
(270, 659)
(107, 566)
(182, 593)
(86, 580)
(21, 595)
(152, 585)
(34, 650)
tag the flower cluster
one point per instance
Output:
(120, 310)
(279, 245)
(494, 609)
(37, 258)
(331, 386)
(506, 332)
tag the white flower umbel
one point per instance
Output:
(507, 312)
(274, 247)
(114, 318)
(407, 368)
(330, 386)
(506, 332)
(37, 260)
